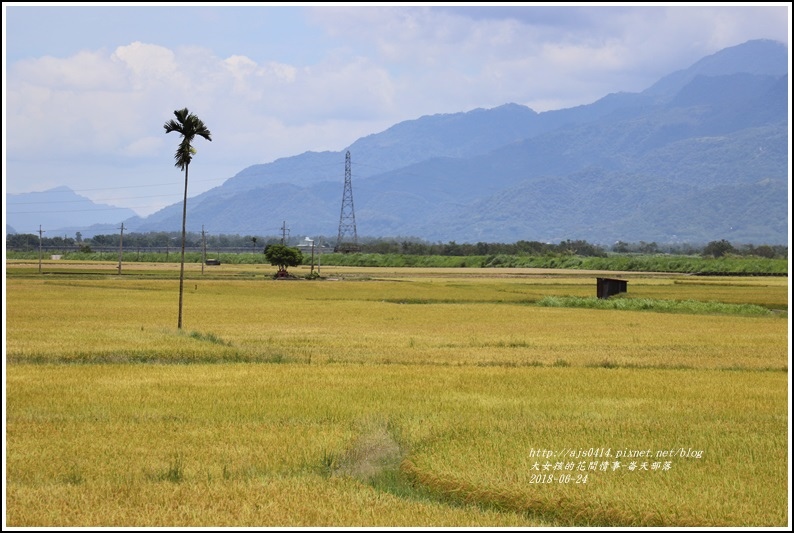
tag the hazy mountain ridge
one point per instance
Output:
(30, 210)
(760, 56)
(675, 162)
(453, 135)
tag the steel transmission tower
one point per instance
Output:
(347, 241)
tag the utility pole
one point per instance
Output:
(284, 231)
(121, 239)
(40, 232)
(203, 249)
(311, 241)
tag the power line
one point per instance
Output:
(89, 200)
(348, 216)
(48, 211)
(166, 184)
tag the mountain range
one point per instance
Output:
(700, 155)
(29, 210)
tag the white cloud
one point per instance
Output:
(145, 147)
(149, 65)
(83, 71)
(457, 52)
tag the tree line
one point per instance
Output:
(164, 241)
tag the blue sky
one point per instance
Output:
(87, 88)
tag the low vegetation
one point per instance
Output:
(731, 265)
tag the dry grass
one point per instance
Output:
(468, 434)
(392, 402)
(429, 322)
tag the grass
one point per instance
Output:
(465, 322)
(659, 306)
(382, 412)
(468, 433)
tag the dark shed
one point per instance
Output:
(606, 287)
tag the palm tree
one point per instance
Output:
(189, 125)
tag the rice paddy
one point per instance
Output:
(393, 397)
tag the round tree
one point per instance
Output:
(283, 256)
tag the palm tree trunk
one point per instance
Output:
(182, 262)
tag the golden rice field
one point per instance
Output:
(389, 397)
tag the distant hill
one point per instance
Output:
(760, 56)
(29, 211)
(700, 155)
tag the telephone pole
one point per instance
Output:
(121, 239)
(40, 239)
(203, 249)
(284, 232)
